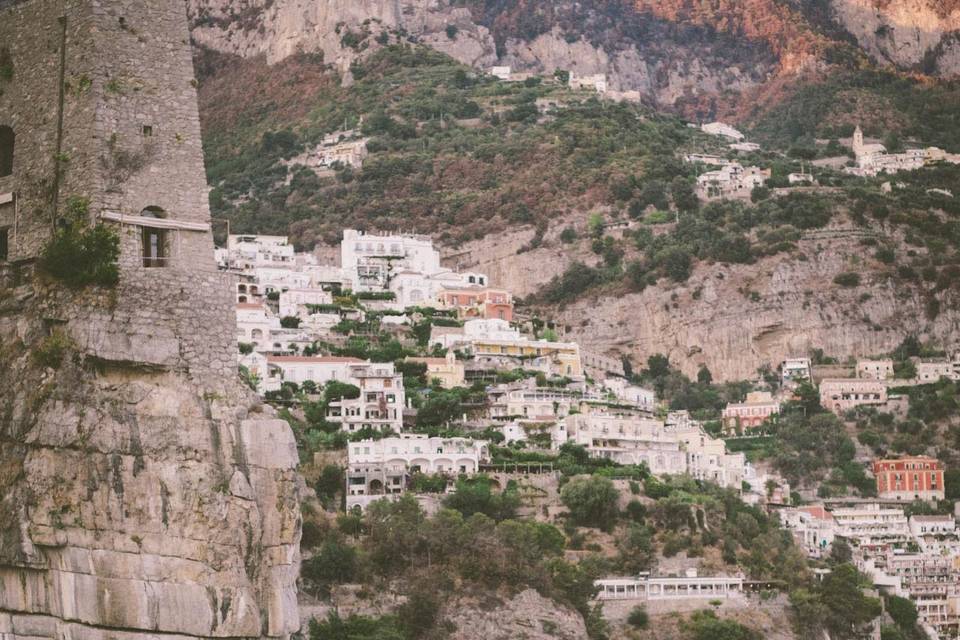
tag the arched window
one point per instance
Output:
(6, 151)
(156, 250)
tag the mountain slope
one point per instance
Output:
(732, 286)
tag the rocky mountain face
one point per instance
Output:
(678, 53)
(731, 318)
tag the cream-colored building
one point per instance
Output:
(842, 394)
(447, 370)
(384, 467)
(875, 369)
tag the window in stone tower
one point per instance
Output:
(4, 244)
(6, 151)
(147, 131)
(155, 241)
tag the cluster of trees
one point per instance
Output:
(397, 541)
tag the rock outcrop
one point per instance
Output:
(732, 318)
(656, 59)
(677, 53)
(526, 615)
(906, 33)
(144, 492)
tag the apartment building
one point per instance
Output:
(757, 409)
(875, 369)
(871, 523)
(380, 403)
(384, 467)
(842, 394)
(909, 478)
(448, 370)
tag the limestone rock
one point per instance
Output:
(526, 615)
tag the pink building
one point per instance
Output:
(750, 414)
(478, 302)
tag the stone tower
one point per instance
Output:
(144, 492)
(858, 141)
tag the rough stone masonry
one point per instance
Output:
(144, 491)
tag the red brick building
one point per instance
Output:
(911, 478)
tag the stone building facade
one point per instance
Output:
(144, 491)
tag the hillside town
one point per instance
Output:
(300, 320)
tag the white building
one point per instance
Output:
(256, 325)
(793, 371)
(801, 179)
(628, 393)
(318, 369)
(744, 146)
(295, 302)
(597, 82)
(873, 159)
(369, 258)
(628, 440)
(731, 179)
(929, 371)
(703, 158)
(721, 129)
(870, 523)
(379, 467)
(686, 587)
(813, 527)
(348, 153)
(380, 403)
(249, 251)
(707, 457)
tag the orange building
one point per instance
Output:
(911, 478)
(478, 302)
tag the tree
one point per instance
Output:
(703, 375)
(636, 549)
(841, 552)
(595, 225)
(903, 612)
(705, 625)
(638, 617)
(807, 613)
(290, 322)
(476, 495)
(568, 235)
(334, 563)
(676, 263)
(847, 609)
(592, 501)
(684, 197)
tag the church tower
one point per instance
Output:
(858, 141)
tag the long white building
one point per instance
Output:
(382, 467)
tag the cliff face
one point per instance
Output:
(664, 62)
(676, 53)
(732, 318)
(905, 33)
(144, 493)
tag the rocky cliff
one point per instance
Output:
(677, 53)
(137, 502)
(732, 318)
